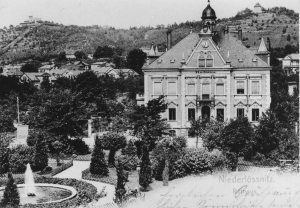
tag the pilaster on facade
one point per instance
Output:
(268, 89)
(146, 89)
(183, 108)
(228, 95)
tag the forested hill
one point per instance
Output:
(278, 24)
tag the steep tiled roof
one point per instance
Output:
(237, 51)
(294, 56)
(257, 5)
(239, 55)
(70, 67)
(101, 70)
(175, 53)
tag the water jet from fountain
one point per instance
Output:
(30, 189)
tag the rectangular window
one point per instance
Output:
(172, 88)
(209, 63)
(220, 114)
(201, 62)
(240, 87)
(191, 114)
(220, 89)
(172, 114)
(255, 87)
(157, 88)
(255, 114)
(191, 89)
(205, 91)
(240, 112)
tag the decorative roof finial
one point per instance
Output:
(208, 1)
(183, 60)
(228, 56)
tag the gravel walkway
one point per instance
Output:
(75, 172)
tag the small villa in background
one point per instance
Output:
(257, 8)
(31, 21)
(152, 53)
(290, 63)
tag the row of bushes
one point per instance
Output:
(87, 175)
(86, 192)
(62, 168)
(184, 161)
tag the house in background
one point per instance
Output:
(293, 86)
(82, 65)
(152, 54)
(290, 63)
(37, 78)
(46, 68)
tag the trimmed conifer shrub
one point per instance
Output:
(146, 172)
(120, 193)
(40, 154)
(11, 195)
(98, 163)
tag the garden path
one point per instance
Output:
(75, 172)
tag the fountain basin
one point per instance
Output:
(45, 194)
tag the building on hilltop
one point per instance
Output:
(32, 21)
(257, 8)
(210, 74)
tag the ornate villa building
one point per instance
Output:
(210, 74)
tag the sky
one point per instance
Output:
(125, 13)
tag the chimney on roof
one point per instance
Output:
(240, 34)
(169, 39)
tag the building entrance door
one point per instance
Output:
(205, 112)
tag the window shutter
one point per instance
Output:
(220, 89)
(191, 89)
(172, 88)
(205, 89)
(240, 85)
(157, 88)
(255, 87)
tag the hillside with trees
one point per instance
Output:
(279, 25)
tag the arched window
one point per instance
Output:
(201, 61)
(209, 61)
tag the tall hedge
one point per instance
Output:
(40, 154)
(11, 195)
(19, 157)
(98, 163)
(146, 172)
(4, 153)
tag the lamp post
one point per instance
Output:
(138, 168)
(18, 110)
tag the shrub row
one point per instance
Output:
(197, 161)
(61, 168)
(86, 192)
(86, 175)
